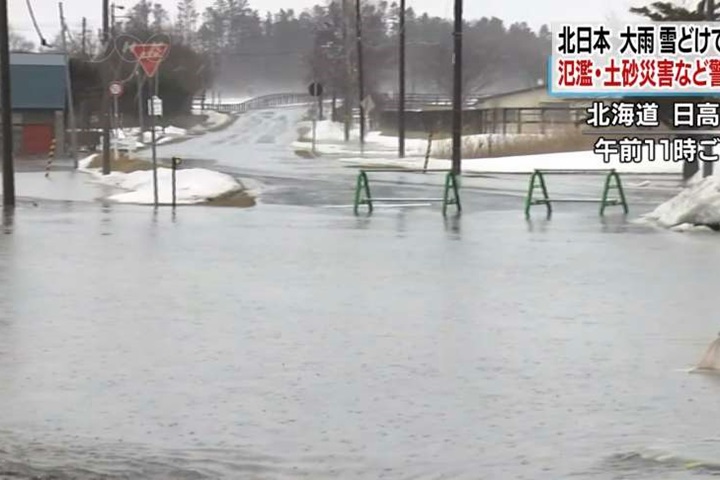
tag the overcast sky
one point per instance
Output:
(534, 12)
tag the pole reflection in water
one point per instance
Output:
(539, 226)
(401, 225)
(8, 220)
(452, 226)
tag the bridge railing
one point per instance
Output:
(415, 101)
(259, 103)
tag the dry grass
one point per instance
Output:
(123, 163)
(531, 144)
(238, 199)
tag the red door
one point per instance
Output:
(36, 139)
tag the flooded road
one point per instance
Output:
(294, 341)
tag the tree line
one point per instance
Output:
(234, 48)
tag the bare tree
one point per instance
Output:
(18, 43)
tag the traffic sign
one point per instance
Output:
(155, 106)
(149, 55)
(116, 89)
(315, 89)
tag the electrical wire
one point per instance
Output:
(43, 42)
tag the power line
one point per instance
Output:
(43, 42)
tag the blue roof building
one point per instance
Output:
(38, 97)
(37, 81)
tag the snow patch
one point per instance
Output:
(697, 204)
(84, 164)
(195, 185)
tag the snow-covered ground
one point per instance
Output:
(194, 185)
(131, 139)
(380, 150)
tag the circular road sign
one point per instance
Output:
(315, 89)
(116, 89)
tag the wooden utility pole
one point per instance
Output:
(347, 107)
(8, 169)
(105, 109)
(457, 90)
(361, 81)
(401, 89)
(83, 43)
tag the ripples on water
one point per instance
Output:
(342, 350)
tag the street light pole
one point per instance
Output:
(401, 90)
(6, 106)
(457, 90)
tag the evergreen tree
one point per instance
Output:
(186, 23)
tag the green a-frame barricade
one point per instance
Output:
(451, 191)
(612, 182)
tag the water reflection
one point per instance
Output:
(452, 226)
(614, 224)
(362, 221)
(106, 219)
(401, 225)
(537, 225)
(8, 220)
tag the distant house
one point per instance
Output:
(528, 110)
(38, 96)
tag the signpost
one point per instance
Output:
(149, 56)
(116, 89)
(316, 90)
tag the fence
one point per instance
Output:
(421, 101)
(257, 103)
(503, 121)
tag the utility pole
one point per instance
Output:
(348, 68)
(361, 86)
(105, 20)
(84, 29)
(105, 98)
(457, 89)
(69, 89)
(6, 106)
(141, 108)
(401, 90)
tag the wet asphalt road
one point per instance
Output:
(292, 340)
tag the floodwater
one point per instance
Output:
(291, 341)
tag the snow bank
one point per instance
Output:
(163, 135)
(171, 131)
(195, 185)
(698, 204)
(84, 164)
(326, 131)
